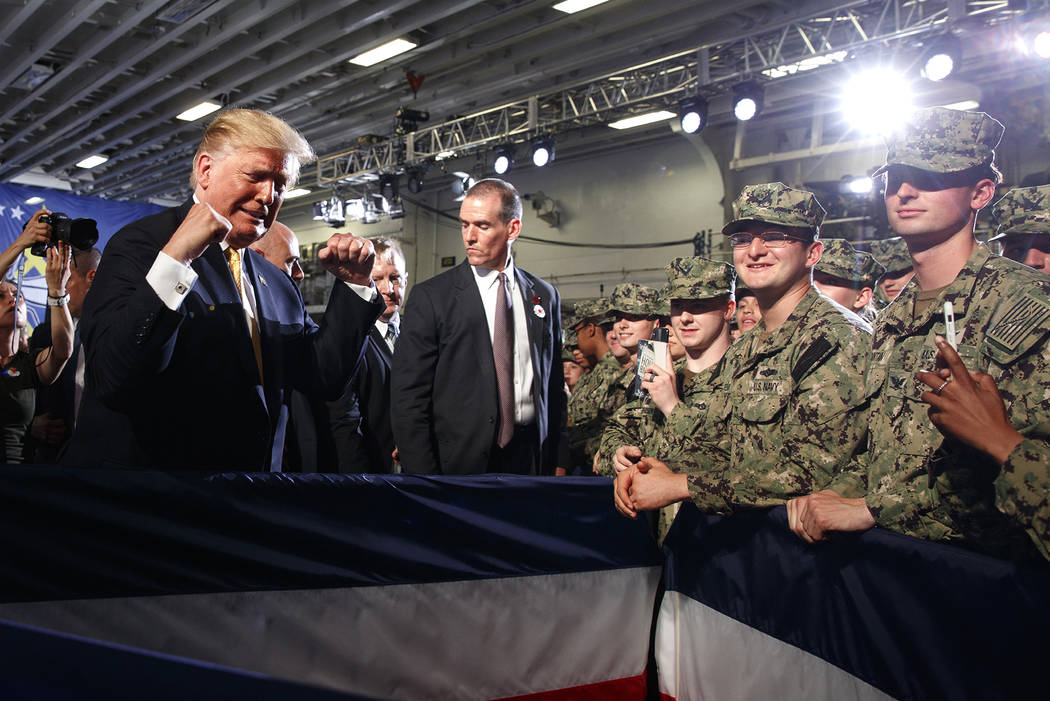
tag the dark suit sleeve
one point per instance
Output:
(412, 385)
(128, 332)
(329, 354)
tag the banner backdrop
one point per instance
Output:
(401, 586)
(14, 212)
(752, 612)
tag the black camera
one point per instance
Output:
(81, 234)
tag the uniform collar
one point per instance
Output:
(898, 315)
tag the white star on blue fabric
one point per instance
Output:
(2, 208)
(17, 212)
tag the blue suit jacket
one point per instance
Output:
(181, 389)
(443, 387)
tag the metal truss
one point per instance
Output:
(769, 54)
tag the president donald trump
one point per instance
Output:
(194, 343)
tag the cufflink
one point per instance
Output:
(180, 288)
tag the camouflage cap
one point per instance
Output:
(840, 259)
(1023, 210)
(632, 298)
(588, 310)
(570, 339)
(892, 254)
(698, 278)
(775, 203)
(941, 140)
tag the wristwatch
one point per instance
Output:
(58, 301)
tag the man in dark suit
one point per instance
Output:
(193, 341)
(477, 376)
(360, 419)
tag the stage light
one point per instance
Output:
(415, 180)
(1041, 44)
(460, 185)
(504, 160)
(542, 151)
(388, 186)
(941, 59)
(693, 111)
(860, 186)
(877, 101)
(640, 120)
(747, 100)
(407, 119)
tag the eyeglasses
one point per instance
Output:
(771, 239)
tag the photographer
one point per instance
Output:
(21, 372)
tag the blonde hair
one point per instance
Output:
(250, 129)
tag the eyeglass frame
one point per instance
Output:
(787, 238)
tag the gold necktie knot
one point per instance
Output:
(233, 258)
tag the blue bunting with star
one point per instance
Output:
(14, 213)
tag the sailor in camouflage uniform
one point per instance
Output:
(893, 255)
(781, 419)
(635, 309)
(700, 293)
(1022, 221)
(951, 458)
(848, 276)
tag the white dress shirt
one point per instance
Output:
(488, 286)
(382, 326)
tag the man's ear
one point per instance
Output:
(203, 169)
(816, 250)
(864, 295)
(90, 277)
(730, 310)
(983, 192)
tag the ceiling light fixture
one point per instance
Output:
(297, 192)
(92, 161)
(572, 6)
(199, 110)
(383, 52)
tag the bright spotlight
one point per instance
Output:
(504, 158)
(941, 59)
(693, 113)
(938, 67)
(1041, 44)
(747, 100)
(860, 186)
(542, 151)
(877, 101)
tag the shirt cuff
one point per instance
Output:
(365, 292)
(171, 280)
